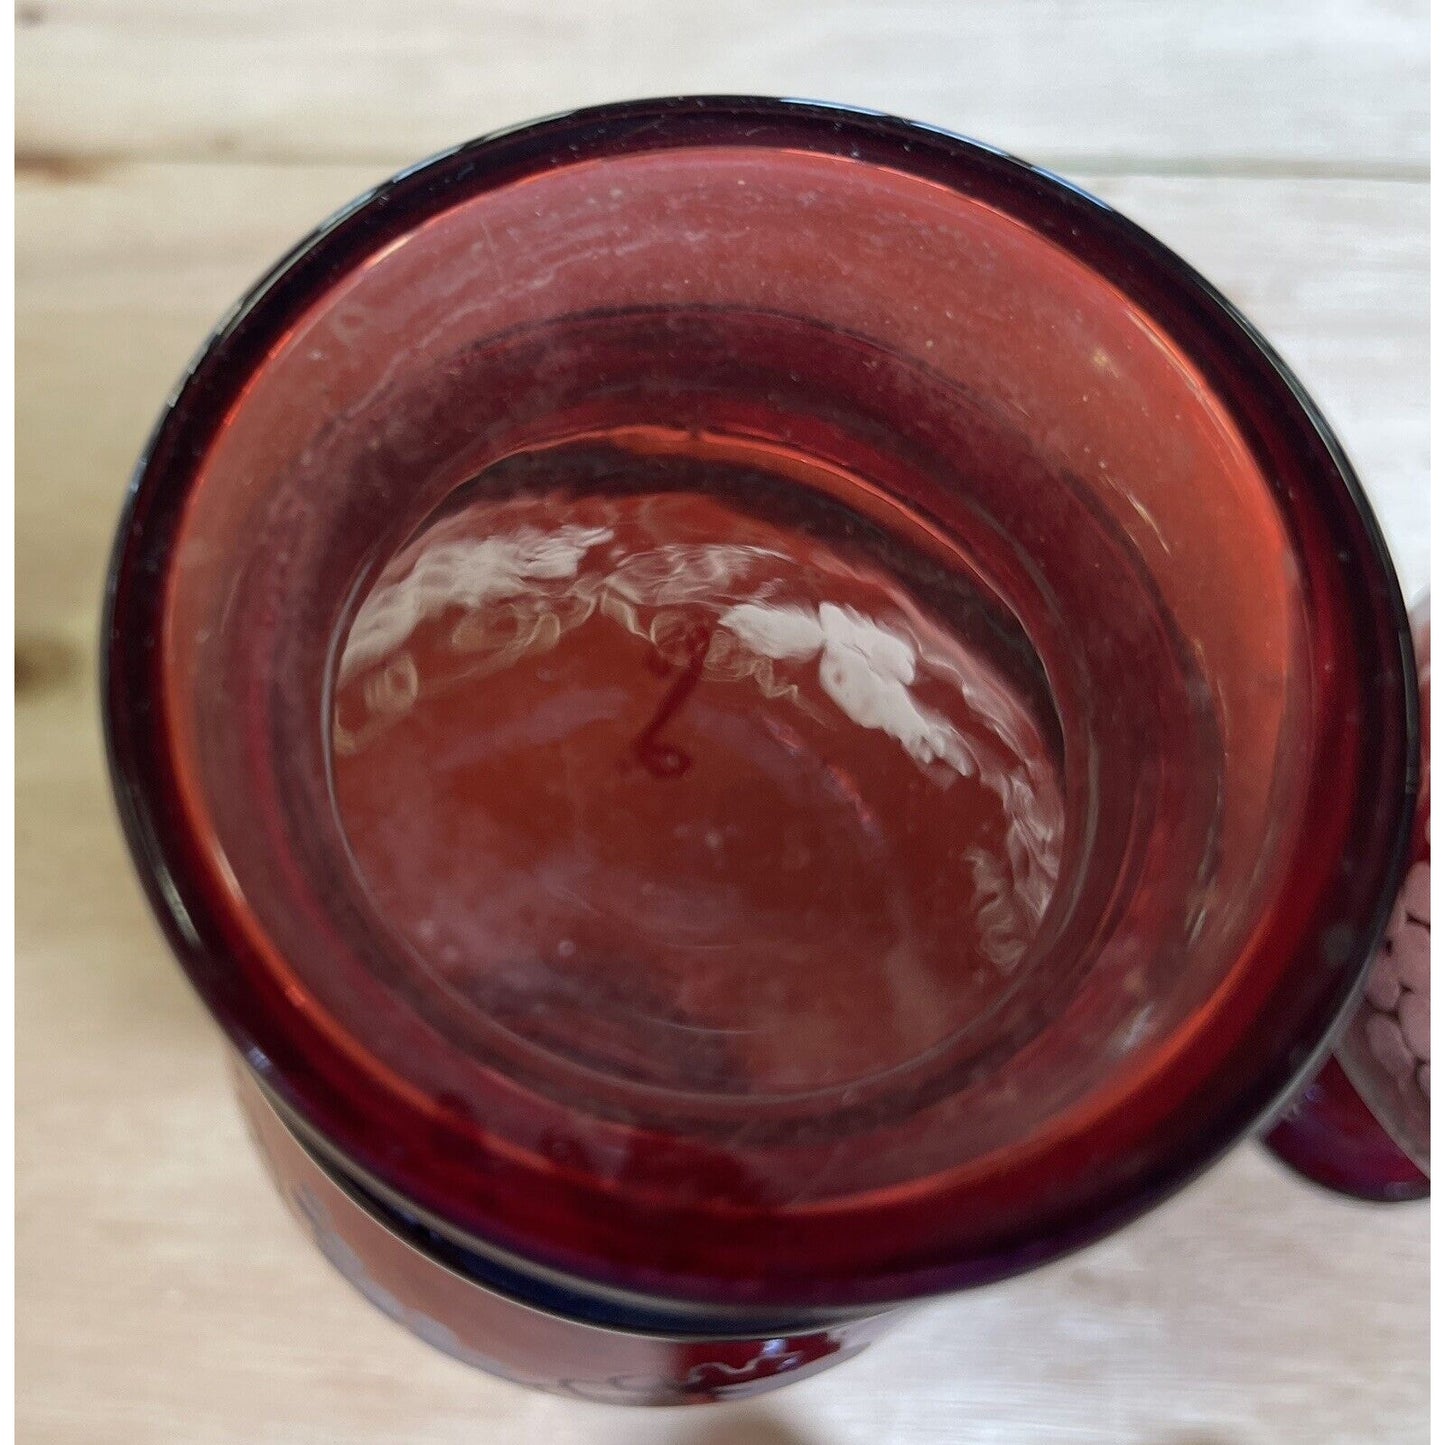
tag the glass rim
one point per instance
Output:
(194, 917)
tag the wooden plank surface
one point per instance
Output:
(170, 149)
(1336, 85)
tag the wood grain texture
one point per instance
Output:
(170, 150)
(1338, 85)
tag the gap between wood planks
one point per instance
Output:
(61, 167)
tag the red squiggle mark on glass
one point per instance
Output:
(661, 759)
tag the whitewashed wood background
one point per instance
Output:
(168, 150)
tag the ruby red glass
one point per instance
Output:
(747, 712)
(1363, 1126)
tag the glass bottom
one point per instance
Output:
(542, 1349)
(1330, 1136)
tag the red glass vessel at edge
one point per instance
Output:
(1363, 1126)
(747, 712)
